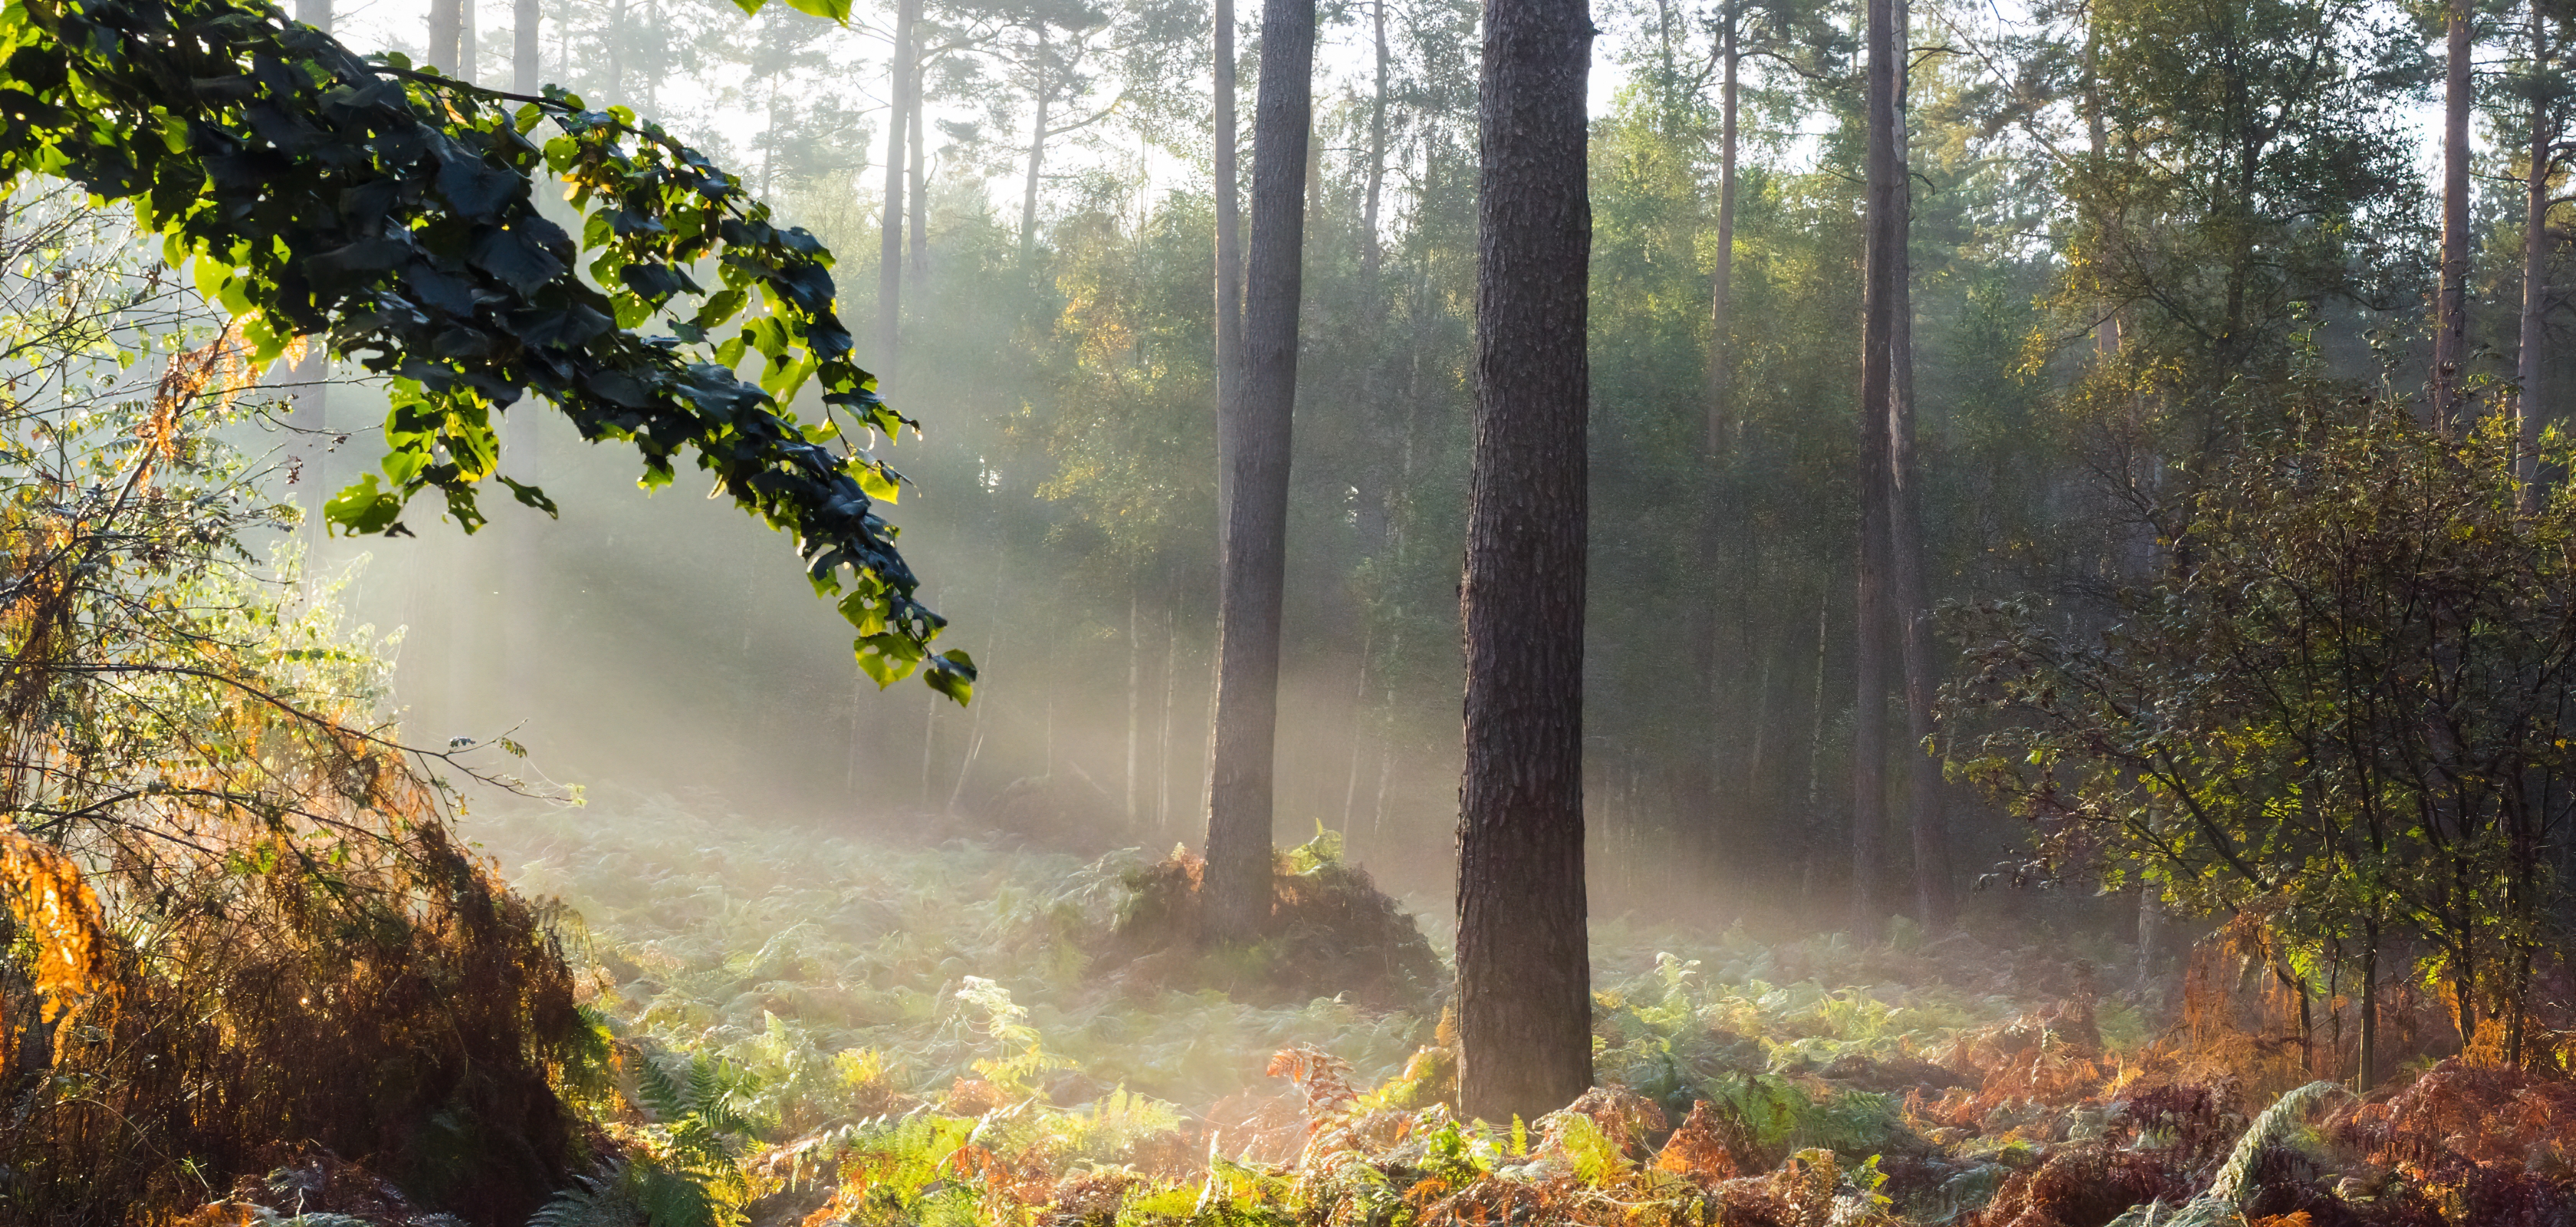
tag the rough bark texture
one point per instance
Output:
(526, 25)
(1912, 589)
(2533, 343)
(900, 76)
(1882, 281)
(1524, 978)
(1722, 279)
(2451, 327)
(1253, 442)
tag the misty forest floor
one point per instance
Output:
(881, 1032)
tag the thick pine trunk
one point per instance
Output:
(2451, 328)
(1524, 977)
(1884, 213)
(2532, 343)
(1912, 593)
(899, 77)
(526, 23)
(1254, 443)
(1722, 278)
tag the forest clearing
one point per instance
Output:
(1458, 613)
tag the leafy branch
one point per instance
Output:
(390, 212)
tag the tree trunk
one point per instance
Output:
(1906, 549)
(1524, 976)
(2532, 344)
(1880, 306)
(314, 13)
(1722, 278)
(1371, 252)
(446, 28)
(1254, 442)
(1135, 699)
(1229, 246)
(2368, 1076)
(2451, 328)
(526, 24)
(466, 48)
(920, 182)
(1043, 88)
(899, 77)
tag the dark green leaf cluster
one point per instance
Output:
(391, 212)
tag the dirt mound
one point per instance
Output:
(1330, 932)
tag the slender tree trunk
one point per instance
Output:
(1229, 247)
(314, 13)
(1135, 699)
(1163, 724)
(2451, 327)
(2529, 401)
(919, 175)
(1912, 593)
(446, 30)
(526, 25)
(1881, 307)
(1044, 88)
(1808, 852)
(1524, 977)
(467, 50)
(899, 77)
(1371, 251)
(1254, 443)
(1721, 368)
(2368, 1075)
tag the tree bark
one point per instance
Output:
(2451, 327)
(1924, 819)
(1229, 245)
(1722, 279)
(1371, 252)
(1045, 92)
(920, 185)
(1884, 221)
(526, 25)
(1254, 443)
(1524, 976)
(899, 77)
(466, 47)
(446, 28)
(314, 13)
(2532, 342)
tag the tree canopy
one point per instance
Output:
(390, 213)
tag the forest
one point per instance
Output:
(1670, 613)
